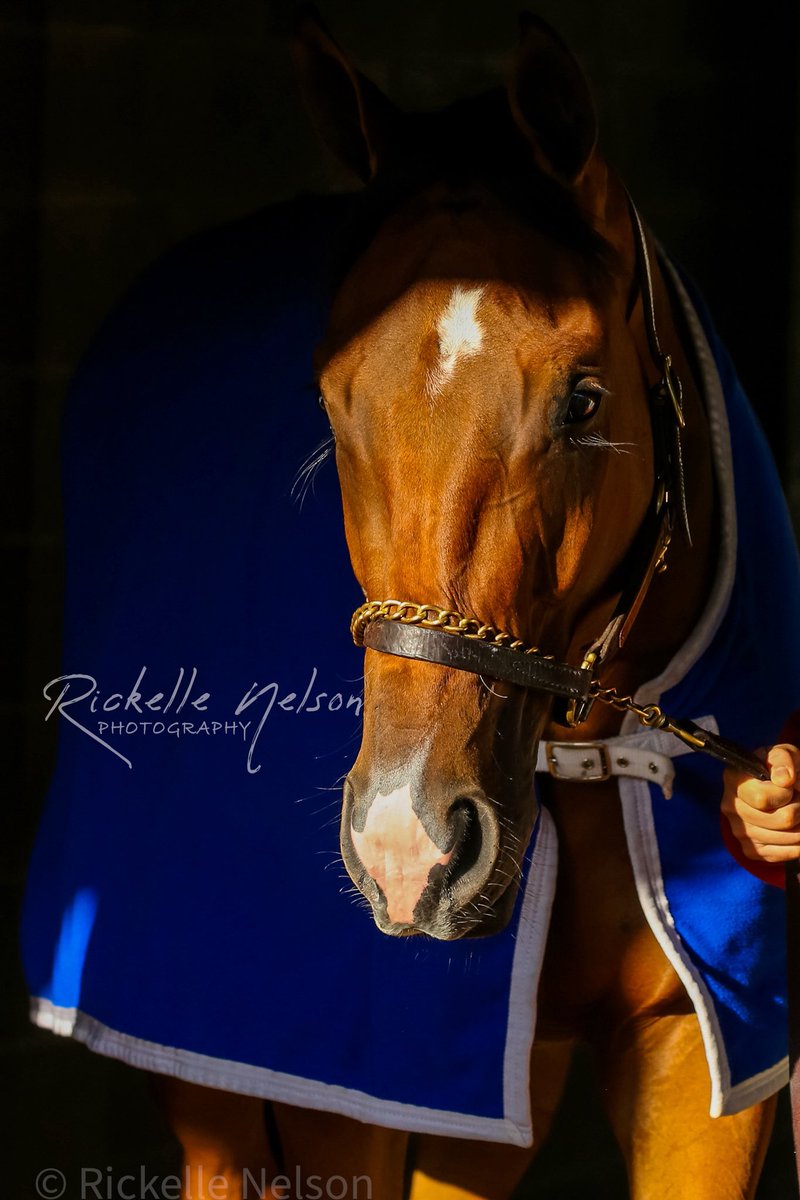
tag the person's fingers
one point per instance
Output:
(765, 796)
(761, 843)
(785, 819)
(732, 781)
(784, 763)
(765, 816)
(771, 854)
(757, 795)
(769, 837)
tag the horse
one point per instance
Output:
(488, 373)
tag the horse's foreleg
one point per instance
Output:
(325, 1154)
(454, 1169)
(223, 1136)
(656, 1095)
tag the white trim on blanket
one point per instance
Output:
(513, 1129)
(758, 1087)
(637, 812)
(526, 969)
(637, 803)
(249, 1080)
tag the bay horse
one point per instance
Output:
(486, 372)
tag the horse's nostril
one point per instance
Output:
(468, 841)
(475, 847)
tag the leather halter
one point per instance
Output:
(647, 556)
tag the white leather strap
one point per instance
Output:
(647, 754)
(590, 762)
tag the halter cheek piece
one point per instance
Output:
(436, 635)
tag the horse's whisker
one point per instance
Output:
(598, 442)
(305, 476)
(334, 821)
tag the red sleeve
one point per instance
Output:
(773, 873)
(791, 730)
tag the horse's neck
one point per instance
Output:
(676, 598)
(596, 899)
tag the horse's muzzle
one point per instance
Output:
(426, 864)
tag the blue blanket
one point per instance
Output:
(186, 908)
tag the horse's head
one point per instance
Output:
(488, 399)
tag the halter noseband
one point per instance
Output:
(452, 639)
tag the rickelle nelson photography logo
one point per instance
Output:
(183, 708)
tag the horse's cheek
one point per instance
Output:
(570, 556)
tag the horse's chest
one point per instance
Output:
(601, 954)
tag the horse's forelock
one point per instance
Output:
(537, 201)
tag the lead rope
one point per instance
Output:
(688, 732)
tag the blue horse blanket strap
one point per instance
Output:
(189, 836)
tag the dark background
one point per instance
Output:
(130, 124)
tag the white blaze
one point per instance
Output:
(460, 334)
(397, 852)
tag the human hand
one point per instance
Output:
(765, 816)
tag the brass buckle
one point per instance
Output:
(600, 766)
(578, 710)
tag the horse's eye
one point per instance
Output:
(583, 404)
(321, 401)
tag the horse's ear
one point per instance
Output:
(352, 116)
(551, 102)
